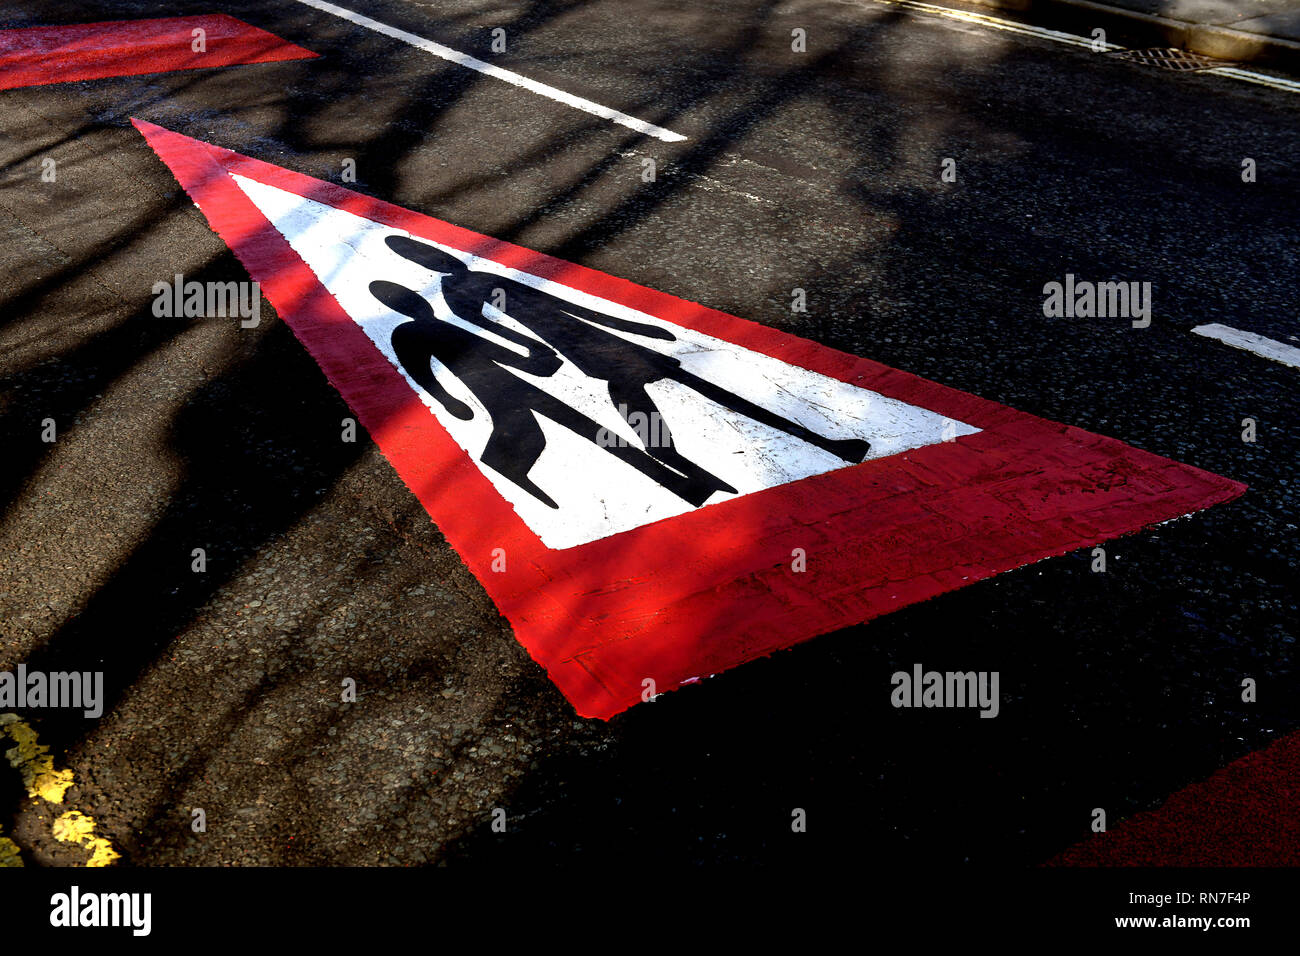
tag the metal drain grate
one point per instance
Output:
(1167, 58)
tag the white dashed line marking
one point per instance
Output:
(496, 72)
(1264, 348)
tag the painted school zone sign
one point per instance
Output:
(652, 491)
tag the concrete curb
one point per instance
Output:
(1082, 16)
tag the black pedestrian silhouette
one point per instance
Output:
(581, 336)
(516, 440)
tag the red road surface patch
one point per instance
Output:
(36, 56)
(692, 595)
(1247, 814)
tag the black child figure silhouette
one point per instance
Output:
(582, 336)
(512, 404)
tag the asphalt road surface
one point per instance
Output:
(818, 170)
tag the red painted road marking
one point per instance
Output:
(35, 56)
(692, 594)
(1247, 814)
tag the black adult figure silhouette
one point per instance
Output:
(628, 367)
(517, 440)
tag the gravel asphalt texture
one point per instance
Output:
(818, 170)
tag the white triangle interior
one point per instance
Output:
(598, 495)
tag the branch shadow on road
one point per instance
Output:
(710, 773)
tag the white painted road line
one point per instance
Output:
(463, 59)
(1264, 348)
(1010, 26)
(1246, 76)
(997, 23)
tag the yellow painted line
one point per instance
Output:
(9, 855)
(36, 767)
(1012, 26)
(75, 827)
(1259, 79)
(998, 23)
(33, 762)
